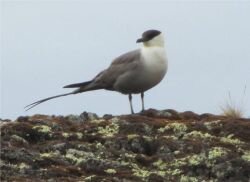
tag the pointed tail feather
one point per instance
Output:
(81, 87)
(83, 84)
(30, 106)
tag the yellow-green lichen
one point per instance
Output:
(168, 137)
(110, 171)
(42, 128)
(132, 136)
(176, 152)
(230, 140)
(164, 168)
(174, 172)
(178, 162)
(99, 146)
(176, 127)
(196, 159)
(124, 163)
(140, 172)
(193, 160)
(97, 121)
(161, 173)
(147, 138)
(216, 152)
(198, 134)
(79, 135)
(130, 155)
(73, 158)
(66, 135)
(169, 172)
(18, 138)
(49, 154)
(188, 179)
(89, 178)
(80, 153)
(246, 156)
(211, 124)
(23, 165)
(109, 130)
(160, 164)
(78, 156)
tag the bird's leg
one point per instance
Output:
(130, 102)
(142, 101)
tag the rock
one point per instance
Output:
(150, 146)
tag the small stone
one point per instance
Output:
(23, 119)
(88, 116)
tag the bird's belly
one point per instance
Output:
(138, 81)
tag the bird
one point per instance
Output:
(133, 72)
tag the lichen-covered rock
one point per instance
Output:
(151, 146)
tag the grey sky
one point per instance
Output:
(48, 44)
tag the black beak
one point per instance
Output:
(139, 40)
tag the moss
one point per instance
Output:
(97, 121)
(19, 139)
(170, 137)
(229, 139)
(77, 156)
(124, 164)
(110, 171)
(147, 138)
(109, 130)
(216, 152)
(192, 160)
(182, 150)
(198, 134)
(65, 135)
(195, 159)
(79, 135)
(42, 128)
(176, 127)
(161, 173)
(178, 162)
(23, 165)
(162, 130)
(188, 179)
(160, 164)
(140, 172)
(99, 146)
(163, 169)
(174, 172)
(132, 136)
(89, 178)
(130, 155)
(73, 158)
(211, 124)
(176, 152)
(49, 154)
(246, 156)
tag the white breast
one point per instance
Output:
(151, 70)
(155, 61)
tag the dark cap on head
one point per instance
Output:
(148, 35)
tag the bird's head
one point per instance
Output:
(151, 38)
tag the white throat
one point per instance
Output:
(156, 41)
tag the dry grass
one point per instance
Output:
(232, 109)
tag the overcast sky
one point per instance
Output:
(48, 44)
